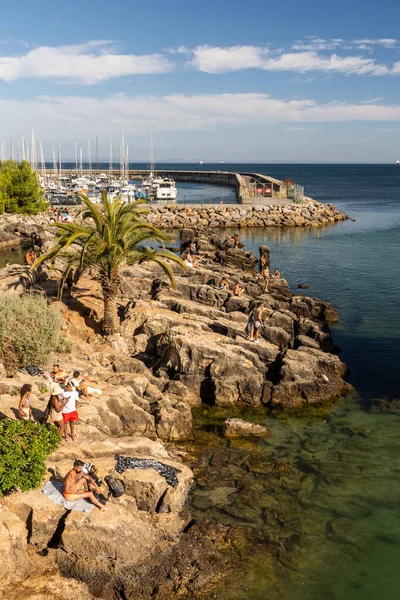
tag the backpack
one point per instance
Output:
(116, 486)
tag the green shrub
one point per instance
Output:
(29, 330)
(64, 346)
(23, 451)
(20, 191)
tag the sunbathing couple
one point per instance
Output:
(76, 486)
(82, 384)
(237, 289)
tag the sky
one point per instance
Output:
(237, 81)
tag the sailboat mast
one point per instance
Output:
(81, 161)
(76, 159)
(111, 158)
(59, 160)
(54, 160)
(42, 163)
(97, 153)
(122, 155)
(89, 159)
(127, 162)
(151, 154)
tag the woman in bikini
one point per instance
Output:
(24, 408)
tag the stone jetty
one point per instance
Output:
(219, 216)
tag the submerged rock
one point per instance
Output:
(240, 428)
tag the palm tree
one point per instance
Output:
(105, 241)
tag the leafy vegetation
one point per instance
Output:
(23, 451)
(19, 189)
(105, 241)
(29, 330)
(64, 346)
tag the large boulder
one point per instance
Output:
(309, 376)
(13, 546)
(39, 515)
(173, 419)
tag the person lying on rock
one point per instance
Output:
(238, 290)
(24, 407)
(85, 385)
(70, 410)
(59, 375)
(76, 486)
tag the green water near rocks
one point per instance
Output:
(334, 517)
(325, 485)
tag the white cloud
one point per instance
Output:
(89, 63)
(68, 118)
(211, 59)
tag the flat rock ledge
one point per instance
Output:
(308, 214)
(240, 428)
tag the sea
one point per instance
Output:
(347, 458)
(348, 500)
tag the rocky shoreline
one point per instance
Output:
(18, 229)
(179, 349)
(220, 216)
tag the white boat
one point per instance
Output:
(166, 190)
(398, 163)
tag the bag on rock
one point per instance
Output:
(116, 486)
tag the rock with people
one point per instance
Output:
(228, 334)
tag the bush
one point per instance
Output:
(20, 191)
(23, 450)
(64, 346)
(29, 330)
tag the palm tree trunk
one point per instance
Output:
(111, 323)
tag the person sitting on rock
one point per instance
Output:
(76, 486)
(29, 258)
(24, 407)
(70, 409)
(191, 261)
(235, 240)
(276, 274)
(257, 322)
(7, 263)
(238, 290)
(223, 284)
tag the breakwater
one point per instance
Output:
(307, 214)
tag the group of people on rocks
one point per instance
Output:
(190, 256)
(256, 308)
(67, 390)
(61, 215)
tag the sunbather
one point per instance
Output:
(76, 486)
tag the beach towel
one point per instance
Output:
(53, 491)
(127, 462)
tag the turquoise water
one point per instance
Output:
(342, 501)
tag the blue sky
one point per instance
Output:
(214, 80)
